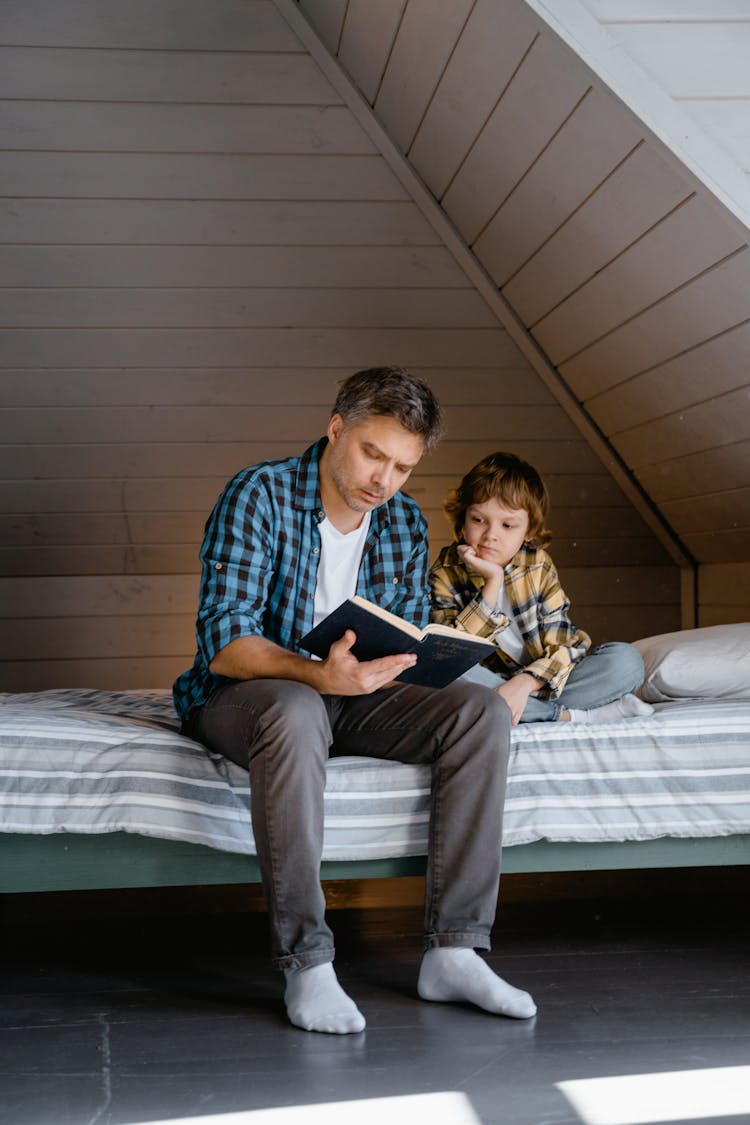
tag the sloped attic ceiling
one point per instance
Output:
(630, 276)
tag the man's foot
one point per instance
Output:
(458, 974)
(315, 1001)
(626, 707)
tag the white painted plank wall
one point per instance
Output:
(698, 51)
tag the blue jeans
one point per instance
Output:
(604, 674)
(284, 732)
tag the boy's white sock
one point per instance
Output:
(625, 707)
(315, 1001)
(457, 974)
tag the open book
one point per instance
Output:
(443, 653)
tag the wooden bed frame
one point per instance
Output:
(65, 862)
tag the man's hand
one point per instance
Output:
(342, 674)
(516, 692)
(252, 658)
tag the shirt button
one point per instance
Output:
(218, 566)
(395, 581)
(316, 550)
(312, 597)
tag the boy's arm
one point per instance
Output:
(516, 691)
(563, 643)
(457, 602)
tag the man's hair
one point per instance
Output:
(513, 483)
(395, 392)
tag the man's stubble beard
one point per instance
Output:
(347, 490)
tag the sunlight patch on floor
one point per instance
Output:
(678, 1095)
(449, 1108)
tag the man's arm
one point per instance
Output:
(253, 658)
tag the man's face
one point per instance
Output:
(369, 461)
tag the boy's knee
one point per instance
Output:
(626, 661)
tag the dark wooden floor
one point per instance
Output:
(132, 1019)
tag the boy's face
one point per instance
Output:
(496, 533)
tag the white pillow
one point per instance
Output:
(709, 663)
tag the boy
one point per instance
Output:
(497, 581)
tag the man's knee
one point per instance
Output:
(250, 715)
(292, 708)
(483, 708)
(292, 726)
(483, 699)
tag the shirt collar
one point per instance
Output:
(307, 489)
(307, 480)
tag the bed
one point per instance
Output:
(99, 790)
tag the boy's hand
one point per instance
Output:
(493, 573)
(482, 566)
(516, 692)
(342, 674)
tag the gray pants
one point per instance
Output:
(283, 732)
(607, 672)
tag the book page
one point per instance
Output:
(398, 622)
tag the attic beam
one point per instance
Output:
(484, 284)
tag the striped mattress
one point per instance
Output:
(85, 761)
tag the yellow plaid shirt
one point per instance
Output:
(540, 609)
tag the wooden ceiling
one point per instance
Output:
(623, 268)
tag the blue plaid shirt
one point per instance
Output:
(260, 558)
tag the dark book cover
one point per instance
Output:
(442, 656)
(441, 659)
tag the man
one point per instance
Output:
(287, 542)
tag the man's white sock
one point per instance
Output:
(315, 1001)
(626, 707)
(456, 974)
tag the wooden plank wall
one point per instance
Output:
(724, 593)
(630, 276)
(199, 242)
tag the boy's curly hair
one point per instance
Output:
(511, 481)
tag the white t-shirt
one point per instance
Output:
(340, 556)
(511, 639)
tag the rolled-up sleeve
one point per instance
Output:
(457, 603)
(236, 561)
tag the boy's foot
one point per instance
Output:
(626, 707)
(458, 974)
(315, 1001)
